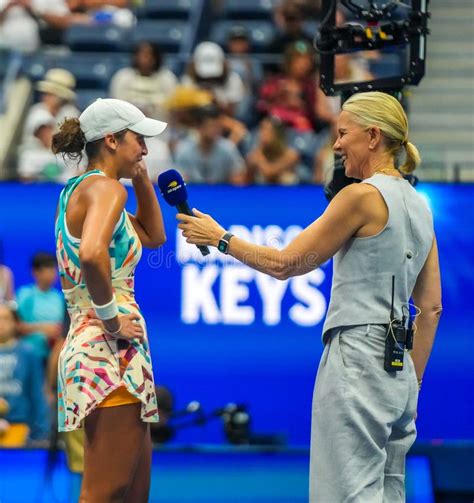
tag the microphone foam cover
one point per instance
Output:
(172, 187)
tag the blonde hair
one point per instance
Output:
(385, 112)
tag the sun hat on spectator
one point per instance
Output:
(208, 60)
(108, 116)
(188, 97)
(58, 82)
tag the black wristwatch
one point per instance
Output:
(223, 245)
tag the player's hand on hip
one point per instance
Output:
(129, 324)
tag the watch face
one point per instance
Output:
(222, 246)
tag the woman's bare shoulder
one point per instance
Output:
(357, 192)
(97, 190)
(101, 186)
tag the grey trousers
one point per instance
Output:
(362, 420)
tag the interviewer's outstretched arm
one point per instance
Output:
(344, 216)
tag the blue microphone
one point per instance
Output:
(174, 192)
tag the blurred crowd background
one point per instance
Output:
(236, 80)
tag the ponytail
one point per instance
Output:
(412, 160)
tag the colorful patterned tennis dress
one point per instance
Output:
(92, 364)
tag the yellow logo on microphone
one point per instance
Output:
(173, 186)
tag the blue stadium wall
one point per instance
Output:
(222, 333)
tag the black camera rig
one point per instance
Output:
(389, 25)
(376, 27)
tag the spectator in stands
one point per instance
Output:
(36, 162)
(41, 306)
(19, 28)
(59, 15)
(210, 158)
(238, 47)
(55, 16)
(234, 130)
(98, 4)
(294, 96)
(209, 70)
(57, 99)
(310, 9)
(24, 24)
(182, 106)
(272, 160)
(24, 408)
(250, 70)
(7, 288)
(146, 83)
(289, 17)
(185, 107)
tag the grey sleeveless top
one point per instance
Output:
(363, 268)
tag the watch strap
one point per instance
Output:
(223, 245)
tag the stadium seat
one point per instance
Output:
(270, 62)
(261, 33)
(165, 9)
(169, 34)
(175, 64)
(92, 71)
(247, 9)
(118, 59)
(4, 61)
(87, 96)
(97, 38)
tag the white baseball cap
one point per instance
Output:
(108, 116)
(208, 60)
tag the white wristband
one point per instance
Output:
(106, 311)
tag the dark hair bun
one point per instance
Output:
(69, 140)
